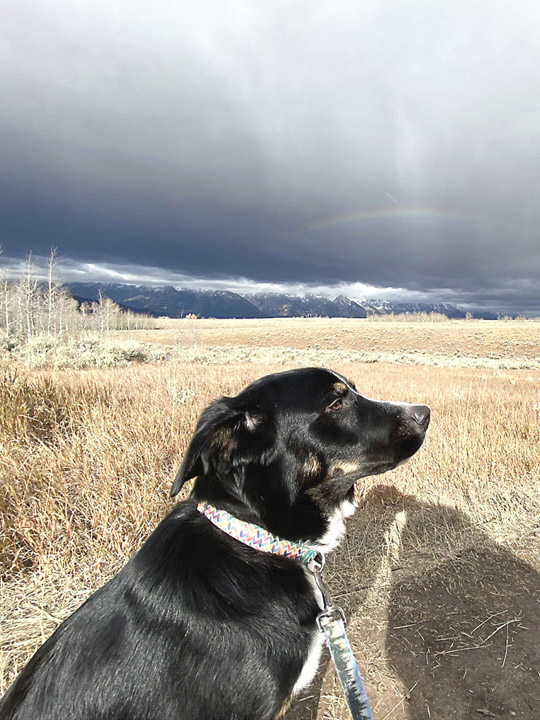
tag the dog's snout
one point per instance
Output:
(411, 431)
(421, 415)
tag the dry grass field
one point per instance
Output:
(473, 343)
(440, 572)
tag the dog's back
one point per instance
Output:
(196, 626)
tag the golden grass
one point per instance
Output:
(87, 458)
(449, 343)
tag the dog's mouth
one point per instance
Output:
(406, 440)
(406, 447)
(411, 432)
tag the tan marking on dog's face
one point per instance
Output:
(312, 464)
(311, 468)
(340, 388)
(344, 468)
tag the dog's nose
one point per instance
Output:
(421, 415)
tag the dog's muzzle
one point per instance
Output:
(414, 422)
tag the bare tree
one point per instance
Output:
(36, 304)
(5, 299)
(52, 294)
(6, 306)
(28, 297)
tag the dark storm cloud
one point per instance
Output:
(395, 145)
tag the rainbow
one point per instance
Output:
(393, 212)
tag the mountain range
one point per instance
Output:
(170, 302)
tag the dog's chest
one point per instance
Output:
(330, 540)
(336, 527)
(311, 664)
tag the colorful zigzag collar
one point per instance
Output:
(257, 537)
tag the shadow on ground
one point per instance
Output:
(445, 623)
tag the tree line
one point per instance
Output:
(36, 306)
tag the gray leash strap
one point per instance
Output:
(331, 622)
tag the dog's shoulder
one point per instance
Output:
(190, 561)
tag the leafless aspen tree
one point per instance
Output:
(36, 304)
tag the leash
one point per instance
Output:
(330, 621)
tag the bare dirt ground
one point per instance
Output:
(456, 637)
(440, 573)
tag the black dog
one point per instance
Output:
(198, 625)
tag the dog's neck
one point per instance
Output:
(300, 520)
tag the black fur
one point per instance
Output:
(197, 625)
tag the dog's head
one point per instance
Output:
(285, 453)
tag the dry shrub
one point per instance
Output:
(422, 317)
(91, 351)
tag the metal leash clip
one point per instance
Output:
(329, 612)
(329, 615)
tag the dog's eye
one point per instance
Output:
(336, 405)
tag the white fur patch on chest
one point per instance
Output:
(336, 527)
(329, 541)
(312, 663)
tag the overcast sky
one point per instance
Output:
(387, 148)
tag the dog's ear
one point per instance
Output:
(215, 415)
(191, 465)
(224, 437)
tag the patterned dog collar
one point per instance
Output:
(256, 537)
